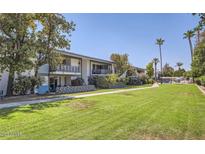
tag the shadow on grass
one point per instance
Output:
(32, 108)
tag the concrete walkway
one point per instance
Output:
(200, 88)
(16, 104)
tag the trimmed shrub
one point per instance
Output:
(123, 80)
(198, 82)
(92, 80)
(144, 79)
(133, 80)
(201, 80)
(35, 82)
(23, 84)
(77, 82)
(106, 81)
(150, 81)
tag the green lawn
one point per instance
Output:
(167, 112)
(107, 90)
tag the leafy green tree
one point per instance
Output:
(179, 65)
(188, 35)
(188, 74)
(198, 64)
(168, 71)
(121, 62)
(16, 44)
(202, 18)
(150, 70)
(131, 71)
(198, 29)
(53, 35)
(179, 73)
(155, 61)
(160, 42)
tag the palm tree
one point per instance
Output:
(160, 42)
(179, 64)
(197, 30)
(155, 61)
(188, 35)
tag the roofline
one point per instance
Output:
(83, 56)
(140, 68)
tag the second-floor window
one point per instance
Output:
(100, 69)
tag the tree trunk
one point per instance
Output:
(160, 50)
(36, 71)
(198, 36)
(191, 49)
(35, 75)
(155, 73)
(10, 83)
(49, 77)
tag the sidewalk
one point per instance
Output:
(201, 89)
(16, 104)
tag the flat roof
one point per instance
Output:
(83, 56)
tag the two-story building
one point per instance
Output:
(73, 66)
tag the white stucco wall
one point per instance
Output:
(3, 81)
(75, 62)
(85, 70)
(43, 69)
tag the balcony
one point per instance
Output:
(66, 69)
(101, 71)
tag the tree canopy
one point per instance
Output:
(168, 71)
(16, 44)
(198, 64)
(30, 40)
(54, 35)
(150, 70)
(121, 62)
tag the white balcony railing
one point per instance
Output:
(67, 68)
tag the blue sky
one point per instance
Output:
(99, 35)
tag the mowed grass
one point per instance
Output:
(107, 90)
(167, 112)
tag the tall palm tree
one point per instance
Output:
(160, 42)
(188, 35)
(155, 61)
(179, 64)
(198, 30)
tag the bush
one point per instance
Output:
(23, 84)
(150, 81)
(200, 80)
(103, 81)
(77, 82)
(144, 79)
(92, 80)
(35, 82)
(123, 80)
(132, 80)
